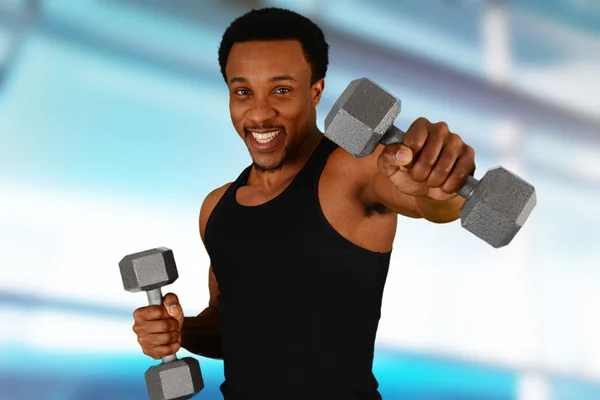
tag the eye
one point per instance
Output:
(282, 90)
(242, 92)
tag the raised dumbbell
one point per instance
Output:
(497, 206)
(173, 379)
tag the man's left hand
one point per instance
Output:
(432, 162)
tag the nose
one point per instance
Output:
(261, 111)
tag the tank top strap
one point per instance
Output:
(305, 178)
(239, 181)
(242, 179)
(316, 162)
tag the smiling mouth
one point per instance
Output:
(263, 137)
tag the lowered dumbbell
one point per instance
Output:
(497, 206)
(173, 379)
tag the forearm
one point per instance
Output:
(439, 211)
(201, 334)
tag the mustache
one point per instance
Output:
(263, 127)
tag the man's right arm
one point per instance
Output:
(201, 334)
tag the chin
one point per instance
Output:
(268, 164)
(268, 167)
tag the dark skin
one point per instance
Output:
(270, 89)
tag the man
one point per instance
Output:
(300, 242)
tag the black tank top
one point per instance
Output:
(299, 304)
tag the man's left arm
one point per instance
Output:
(420, 177)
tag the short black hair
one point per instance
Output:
(273, 23)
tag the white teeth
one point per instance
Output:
(264, 137)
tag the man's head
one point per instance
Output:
(274, 62)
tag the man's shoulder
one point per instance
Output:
(210, 202)
(216, 194)
(352, 178)
(356, 171)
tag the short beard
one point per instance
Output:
(264, 168)
(269, 169)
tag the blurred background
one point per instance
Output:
(114, 126)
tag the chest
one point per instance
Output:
(339, 202)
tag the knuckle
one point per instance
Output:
(411, 142)
(166, 351)
(409, 139)
(165, 338)
(141, 315)
(443, 168)
(442, 127)
(459, 177)
(427, 159)
(166, 325)
(469, 150)
(158, 326)
(138, 315)
(159, 311)
(159, 339)
(424, 165)
(422, 121)
(455, 139)
(440, 172)
(137, 329)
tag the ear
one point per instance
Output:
(317, 91)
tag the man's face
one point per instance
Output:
(271, 101)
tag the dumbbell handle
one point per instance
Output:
(395, 135)
(155, 298)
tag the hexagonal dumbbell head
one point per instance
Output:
(361, 116)
(175, 380)
(148, 270)
(498, 207)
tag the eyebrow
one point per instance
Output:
(277, 78)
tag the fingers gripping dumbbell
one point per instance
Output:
(173, 379)
(497, 206)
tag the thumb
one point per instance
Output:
(394, 157)
(171, 303)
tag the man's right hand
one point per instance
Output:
(158, 328)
